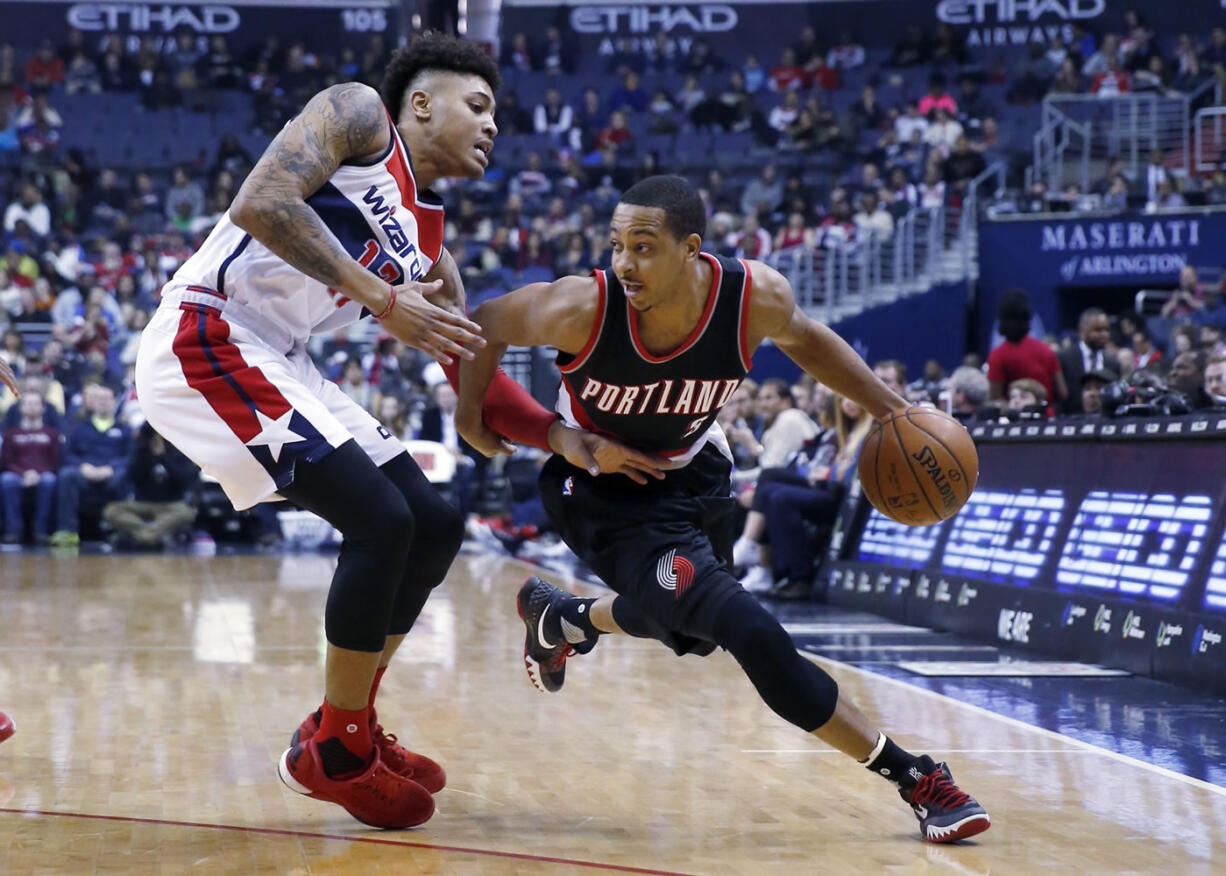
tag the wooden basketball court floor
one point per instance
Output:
(153, 695)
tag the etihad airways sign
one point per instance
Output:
(1016, 11)
(1018, 22)
(643, 19)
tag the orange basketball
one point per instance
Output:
(918, 467)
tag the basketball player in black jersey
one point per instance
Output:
(649, 352)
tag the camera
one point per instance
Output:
(1124, 399)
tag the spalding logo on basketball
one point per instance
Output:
(919, 466)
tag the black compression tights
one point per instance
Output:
(437, 534)
(796, 689)
(400, 537)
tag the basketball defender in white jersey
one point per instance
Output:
(337, 221)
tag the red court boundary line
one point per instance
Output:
(273, 831)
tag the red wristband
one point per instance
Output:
(510, 410)
(391, 302)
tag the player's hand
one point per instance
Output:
(597, 454)
(8, 378)
(483, 439)
(431, 329)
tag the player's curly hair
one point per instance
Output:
(431, 50)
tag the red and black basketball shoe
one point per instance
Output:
(545, 647)
(7, 727)
(397, 758)
(945, 812)
(375, 796)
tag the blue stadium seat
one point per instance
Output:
(693, 146)
(536, 275)
(662, 144)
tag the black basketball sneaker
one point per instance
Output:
(545, 647)
(945, 812)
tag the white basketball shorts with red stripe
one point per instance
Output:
(240, 405)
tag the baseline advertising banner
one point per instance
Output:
(322, 25)
(765, 27)
(1092, 548)
(1137, 250)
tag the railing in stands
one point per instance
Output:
(1079, 133)
(1209, 138)
(841, 278)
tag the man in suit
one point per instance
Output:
(1088, 354)
(438, 424)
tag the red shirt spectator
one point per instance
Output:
(788, 74)
(31, 449)
(114, 264)
(1111, 82)
(1030, 358)
(822, 75)
(45, 69)
(753, 242)
(617, 133)
(835, 230)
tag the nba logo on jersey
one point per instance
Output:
(674, 573)
(568, 487)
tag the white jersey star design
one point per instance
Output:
(275, 433)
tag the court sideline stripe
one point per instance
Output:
(1043, 731)
(274, 831)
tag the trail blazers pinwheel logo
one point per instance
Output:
(675, 573)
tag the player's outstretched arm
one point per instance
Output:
(558, 314)
(820, 352)
(562, 315)
(509, 409)
(341, 122)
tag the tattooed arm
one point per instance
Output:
(342, 122)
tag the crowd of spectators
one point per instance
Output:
(1168, 363)
(84, 250)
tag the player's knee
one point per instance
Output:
(797, 689)
(447, 529)
(744, 627)
(389, 520)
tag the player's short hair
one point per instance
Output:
(431, 50)
(684, 213)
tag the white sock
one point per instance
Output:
(876, 749)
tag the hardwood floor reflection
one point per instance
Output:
(153, 695)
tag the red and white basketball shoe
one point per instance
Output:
(376, 796)
(397, 758)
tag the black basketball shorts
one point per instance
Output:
(665, 545)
